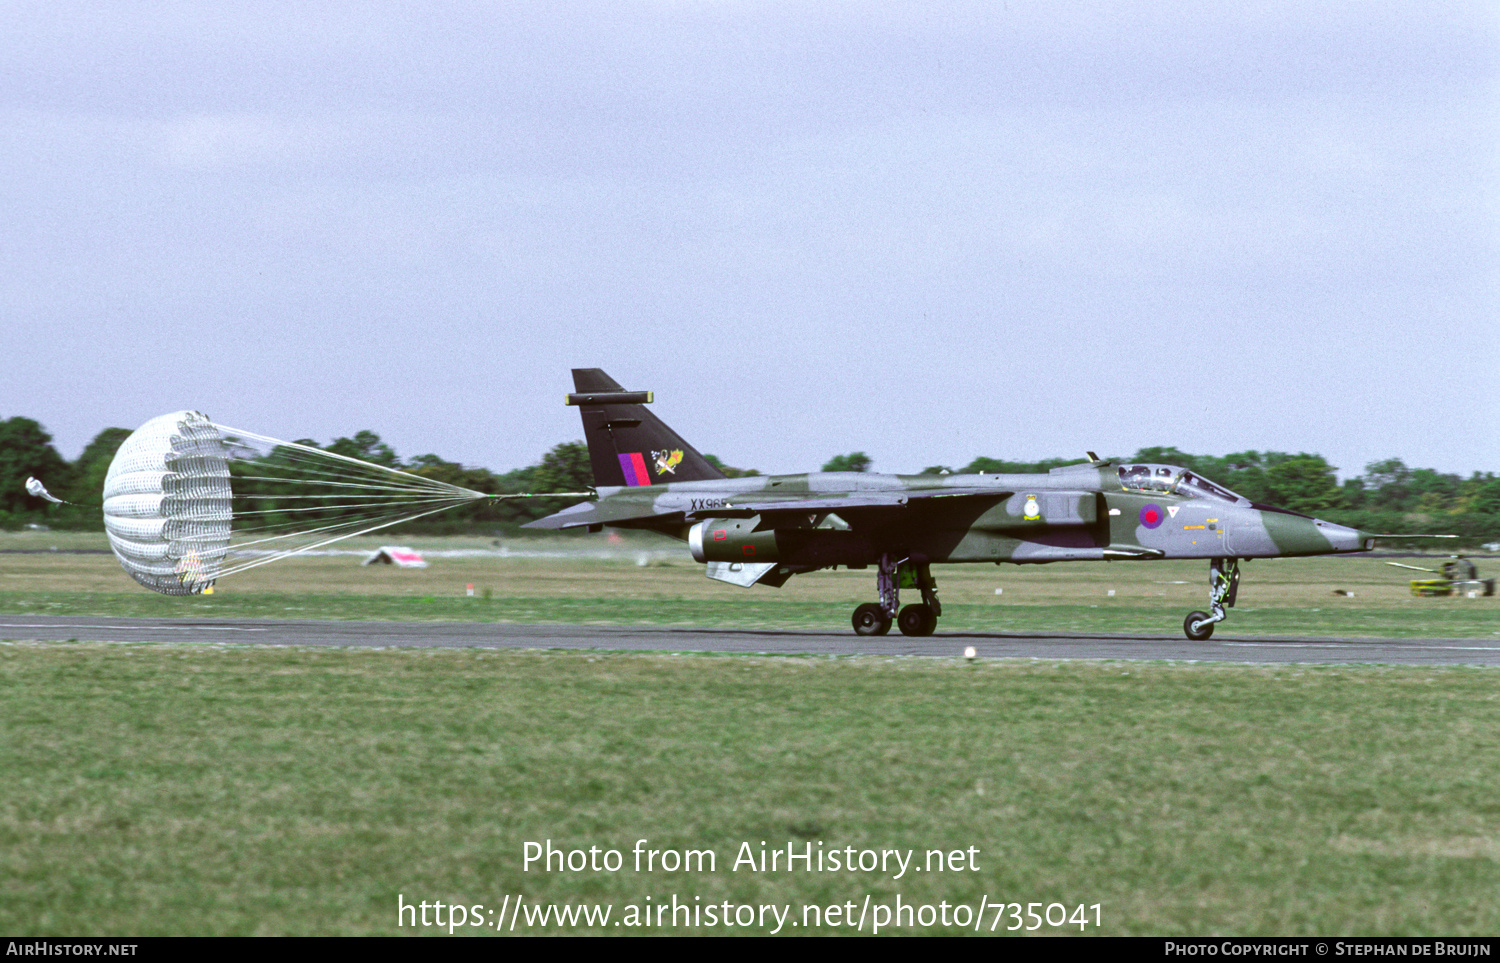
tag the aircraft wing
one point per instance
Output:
(586, 514)
(752, 505)
(774, 511)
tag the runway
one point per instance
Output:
(989, 645)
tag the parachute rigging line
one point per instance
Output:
(188, 501)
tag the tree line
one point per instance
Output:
(1388, 497)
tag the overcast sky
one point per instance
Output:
(926, 231)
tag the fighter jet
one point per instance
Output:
(762, 530)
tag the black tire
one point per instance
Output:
(917, 620)
(1201, 635)
(870, 619)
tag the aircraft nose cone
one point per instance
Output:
(1342, 538)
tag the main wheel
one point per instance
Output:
(917, 620)
(870, 619)
(1197, 635)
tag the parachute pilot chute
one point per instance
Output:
(35, 488)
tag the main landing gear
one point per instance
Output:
(1224, 585)
(875, 618)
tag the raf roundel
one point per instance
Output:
(1151, 515)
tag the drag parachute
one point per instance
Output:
(188, 501)
(167, 504)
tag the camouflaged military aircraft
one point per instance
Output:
(762, 530)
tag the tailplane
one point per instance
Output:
(628, 445)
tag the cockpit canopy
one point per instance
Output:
(1174, 481)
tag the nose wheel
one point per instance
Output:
(919, 619)
(1223, 586)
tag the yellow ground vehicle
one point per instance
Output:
(1459, 577)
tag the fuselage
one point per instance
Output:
(1098, 511)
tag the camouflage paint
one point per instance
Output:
(764, 529)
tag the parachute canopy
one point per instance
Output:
(188, 501)
(167, 503)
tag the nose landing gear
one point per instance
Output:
(1224, 585)
(917, 619)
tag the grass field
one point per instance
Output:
(161, 789)
(168, 789)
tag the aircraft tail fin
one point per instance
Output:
(628, 445)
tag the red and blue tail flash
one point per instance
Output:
(634, 467)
